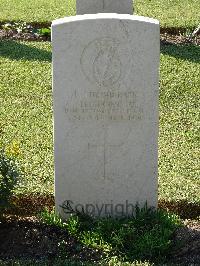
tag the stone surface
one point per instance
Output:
(105, 92)
(104, 6)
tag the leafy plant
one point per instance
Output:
(9, 173)
(146, 236)
(51, 218)
(44, 32)
(73, 225)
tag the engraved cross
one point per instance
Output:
(105, 146)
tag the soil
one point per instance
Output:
(31, 204)
(22, 36)
(186, 240)
(166, 38)
(169, 39)
(27, 238)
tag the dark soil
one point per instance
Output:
(27, 238)
(31, 204)
(22, 36)
(169, 39)
(165, 38)
(186, 249)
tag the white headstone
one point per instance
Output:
(105, 92)
(104, 6)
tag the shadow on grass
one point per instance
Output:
(17, 51)
(185, 52)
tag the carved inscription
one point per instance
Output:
(104, 61)
(103, 105)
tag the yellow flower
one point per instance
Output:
(13, 149)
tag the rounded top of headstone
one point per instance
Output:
(103, 16)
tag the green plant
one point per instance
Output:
(44, 32)
(9, 173)
(146, 236)
(51, 218)
(73, 225)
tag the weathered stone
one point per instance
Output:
(104, 6)
(105, 92)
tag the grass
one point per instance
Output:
(26, 117)
(179, 127)
(26, 121)
(171, 13)
(26, 110)
(147, 236)
(33, 10)
(67, 262)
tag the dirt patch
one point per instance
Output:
(187, 244)
(170, 39)
(165, 38)
(34, 203)
(30, 204)
(27, 238)
(22, 36)
(185, 209)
